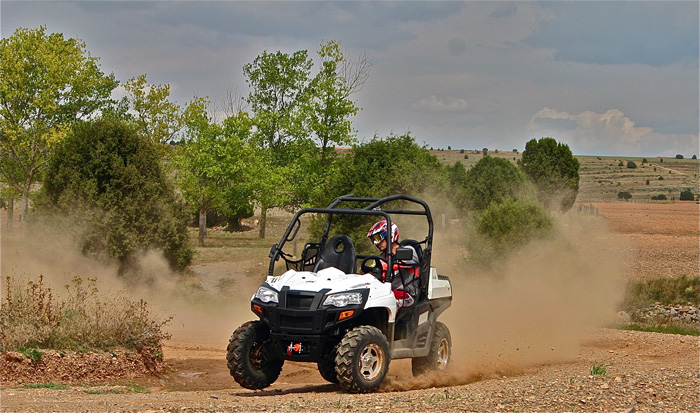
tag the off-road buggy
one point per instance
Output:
(323, 310)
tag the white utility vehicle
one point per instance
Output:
(323, 310)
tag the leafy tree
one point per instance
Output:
(329, 107)
(624, 195)
(382, 167)
(621, 163)
(695, 157)
(554, 170)
(278, 94)
(157, 118)
(493, 180)
(631, 164)
(105, 185)
(644, 160)
(485, 151)
(679, 156)
(687, 195)
(47, 83)
(214, 164)
(660, 197)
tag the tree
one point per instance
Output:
(214, 163)
(157, 118)
(493, 180)
(554, 170)
(631, 164)
(695, 157)
(687, 195)
(47, 83)
(104, 184)
(679, 156)
(278, 91)
(329, 107)
(485, 151)
(624, 195)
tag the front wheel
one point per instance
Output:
(362, 360)
(440, 355)
(250, 358)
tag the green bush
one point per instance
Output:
(506, 226)
(621, 163)
(105, 184)
(631, 164)
(493, 180)
(644, 160)
(679, 156)
(660, 197)
(624, 195)
(661, 178)
(687, 195)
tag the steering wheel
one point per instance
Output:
(373, 265)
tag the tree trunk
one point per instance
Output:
(25, 206)
(202, 225)
(263, 221)
(10, 214)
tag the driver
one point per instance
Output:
(405, 284)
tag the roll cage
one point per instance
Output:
(356, 206)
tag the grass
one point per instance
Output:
(131, 388)
(599, 369)
(46, 386)
(81, 319)
(667, 291)
(684, 330)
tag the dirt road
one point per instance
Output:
(645, 372)
(640, 371)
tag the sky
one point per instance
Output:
(606, 78)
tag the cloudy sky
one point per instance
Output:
(607, 78)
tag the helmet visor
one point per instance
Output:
(378, 237)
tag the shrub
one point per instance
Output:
(621, 163)
(507, 225)
(466, 156)
(647, 182)
(666, 291)
(624, 195)
(485, 151)
(687, 195)
(660, 197)
(644, 160)
(492, 180)
(631, 164)
(679, 156)
(105, 183)
(695, 157)
(661, 178)
(461, 151)
(33, 317)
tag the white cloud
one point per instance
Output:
(433, 104)
(589, 132)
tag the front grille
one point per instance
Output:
(296, 322)
(302, 302)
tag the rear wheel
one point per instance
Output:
(362, 360)
(251, 359)
(440, 353)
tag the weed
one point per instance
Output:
(599, 369)
(339, 404)
(46, 386)
(81, 319)
(666, 291)
(31, 353)
(686, 330)
(440, 397)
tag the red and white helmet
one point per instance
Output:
(378, 232)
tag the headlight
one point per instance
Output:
(267, 295)
(343, 299)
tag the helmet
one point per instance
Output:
(378, 232)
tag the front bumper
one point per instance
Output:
(300, 325)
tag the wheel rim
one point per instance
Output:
(443, 355)
(371, 361)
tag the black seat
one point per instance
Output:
(339, 252)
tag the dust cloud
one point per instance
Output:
(532, 308)
(198, 316)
